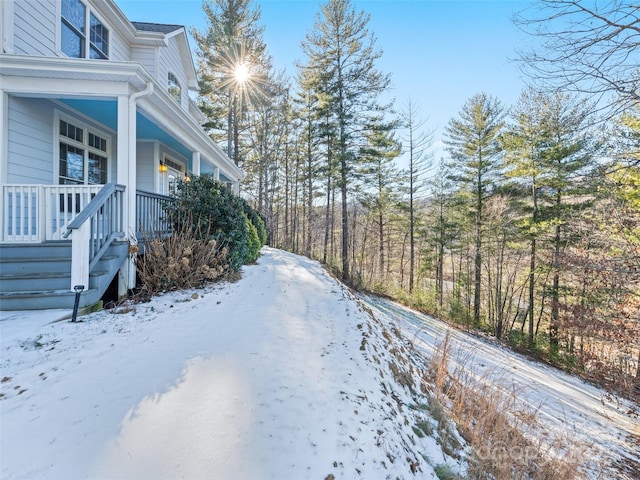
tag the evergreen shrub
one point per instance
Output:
(213, 208)
(253, 242)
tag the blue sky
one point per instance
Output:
(439, 52)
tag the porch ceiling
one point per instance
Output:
(106, 112)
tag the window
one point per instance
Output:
(174, 87)
(74, 23)
(98, 39)
(83, 155)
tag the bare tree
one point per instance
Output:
(587, 46)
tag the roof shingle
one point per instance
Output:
(156, 27)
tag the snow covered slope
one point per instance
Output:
(280, 375)
(567, 406)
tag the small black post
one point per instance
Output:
(78, 289)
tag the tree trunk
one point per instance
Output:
(286, 197)
(555, 292)
(327, 212)
(309, 190)
(381, 242)
(345, 218)
(411, 229)
(236, 133)
(532, 274)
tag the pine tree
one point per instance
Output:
(472, 142)
(547, 151)
(341, 53)
(381, 180)
(232, 67)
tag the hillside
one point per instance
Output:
(279, 375)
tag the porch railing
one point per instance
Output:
(39, 213)
(23, 207)
(151, 216)
(93, 230)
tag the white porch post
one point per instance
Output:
(126, 157)
(127, 143)
(3, 154)
(195, 163)
(236, 188)
(216, 173)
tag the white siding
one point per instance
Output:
(119, 49)
(169, 61)
(147, 57)
(35, 27)
(30, 141)
(205, 167)
(31, 146)
(145, 166)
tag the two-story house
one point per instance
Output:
(96, 124)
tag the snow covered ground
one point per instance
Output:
(568, 407)
(280, 375)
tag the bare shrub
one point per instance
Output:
(502, 430)
(186, 259)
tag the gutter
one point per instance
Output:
(143, 93)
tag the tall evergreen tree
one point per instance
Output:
(547, 150)
(342, 53)
(310, 113)
(381, 180)
(472, 142)
(232, 64)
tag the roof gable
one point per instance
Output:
(180, 34)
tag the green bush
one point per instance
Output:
(257, 220)
(253, 242)
(212, 208)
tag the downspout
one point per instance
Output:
(6, 28)
(128, 270)
(131, 154)
(143, 93)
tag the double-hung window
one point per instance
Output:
(82, 34)
(83, 155)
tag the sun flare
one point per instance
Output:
(241, 73)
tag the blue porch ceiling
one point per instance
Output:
(106, 112)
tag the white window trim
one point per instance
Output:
(87, 16)
(164, 176)
(178, 99)
(78, 122)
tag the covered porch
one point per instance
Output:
(89, 152)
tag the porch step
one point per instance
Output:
(43, 300)
(38, 276)
(40, 282)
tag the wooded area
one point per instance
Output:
(529, 227)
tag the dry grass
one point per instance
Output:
(501, 428)
(183, 260)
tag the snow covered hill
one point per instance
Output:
(569, 409)
(281, 375)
